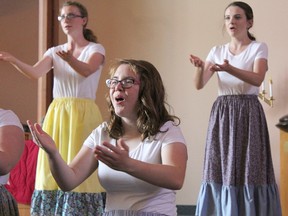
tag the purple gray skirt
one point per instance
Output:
(238, 176)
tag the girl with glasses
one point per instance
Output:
(140, 152)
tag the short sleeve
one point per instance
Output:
(8, 117)
(98, 48)
(262, 51)
(97, 136)
(173, 134)
(211, 54)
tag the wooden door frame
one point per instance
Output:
(48, 37)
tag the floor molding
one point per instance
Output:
(186, 210)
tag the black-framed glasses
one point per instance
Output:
(68, 16)
(125, 83)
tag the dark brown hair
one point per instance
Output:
(152, 110)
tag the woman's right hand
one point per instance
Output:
(196, 61)
(41, 138)
(5, 56)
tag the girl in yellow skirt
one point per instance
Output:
(72, 115)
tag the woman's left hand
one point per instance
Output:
(116, 157)
(66, 56)
(221, 67)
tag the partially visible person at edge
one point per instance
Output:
(11, 148)
(72, 115)
(238, 176)
(140, 152)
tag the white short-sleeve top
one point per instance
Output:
(231, 85)
(69, 83)
(125, 192)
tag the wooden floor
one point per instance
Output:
(24, 210)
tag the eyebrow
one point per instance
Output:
(128, 77)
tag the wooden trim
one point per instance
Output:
(48, 37)
(284, 171)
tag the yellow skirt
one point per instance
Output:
(69, 121)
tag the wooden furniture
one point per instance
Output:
(284, 171)
(24, 210)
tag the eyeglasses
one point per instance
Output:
(68, 16)
(125, 83)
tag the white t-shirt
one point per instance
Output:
(7, 117)
(125, 192)
(229, 84)
(67, 82)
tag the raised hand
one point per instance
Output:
(41, 138)
(5, 56)
(196, 61)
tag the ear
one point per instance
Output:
(85, 21)
(250, 24)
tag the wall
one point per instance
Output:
(165, 32)
(19, 33)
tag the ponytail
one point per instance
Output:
(89, 35)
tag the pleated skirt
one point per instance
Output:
(8, 205)
(238, 176)
(69, 121)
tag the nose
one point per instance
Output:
(118, 86)
(232, 20)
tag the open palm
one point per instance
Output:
(41, 138)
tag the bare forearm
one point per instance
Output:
(198, 78)
(247, 76)
(165, 176)
(34, 72)
(62, 173)
(25, 69)
(80, 67)
(202, 76)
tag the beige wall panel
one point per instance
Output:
(19, 36)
